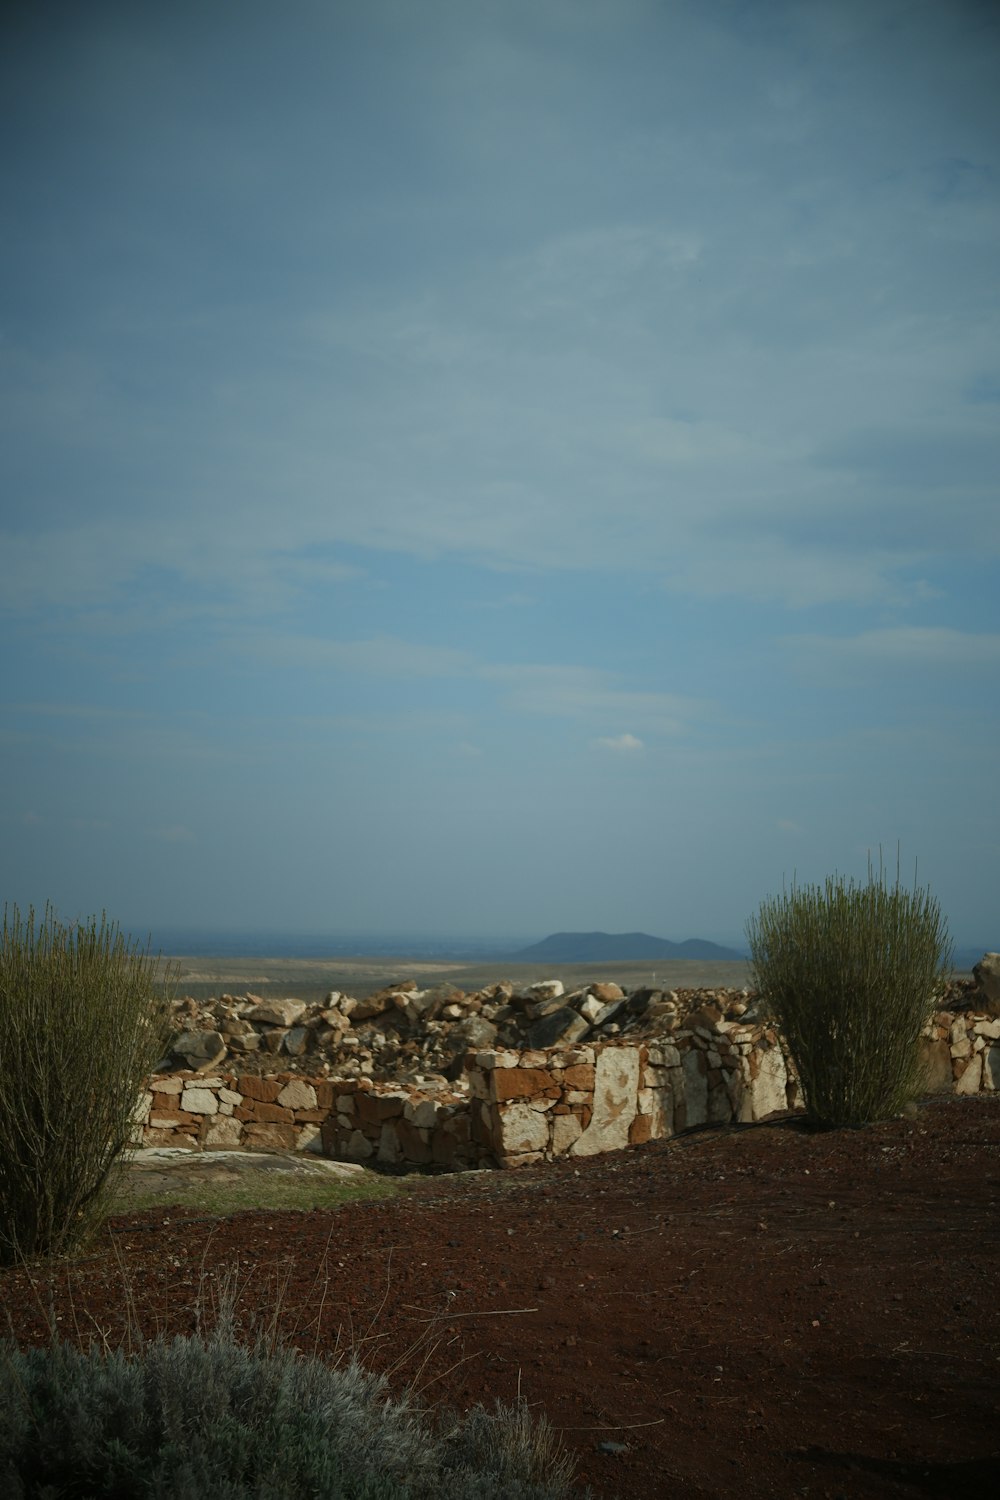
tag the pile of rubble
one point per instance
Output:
(413, 1036)
(416, 1036)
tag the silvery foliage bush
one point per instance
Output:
(849, 974)
(83, 1020)
(208, 1419)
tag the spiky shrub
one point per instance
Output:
(82, 1023)
(194, 1418)
(849, 973)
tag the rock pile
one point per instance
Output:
(410, 1035)
(439, 1079)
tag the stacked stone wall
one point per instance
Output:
(518, 1106)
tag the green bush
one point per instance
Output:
(207, 1419)
(849, 973)
(82, 1024)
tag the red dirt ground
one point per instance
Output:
(759, 1310)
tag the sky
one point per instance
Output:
(491, 467)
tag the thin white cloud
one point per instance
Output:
(621, 744)
(903, 646)
(174, 833)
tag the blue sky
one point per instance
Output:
(490, 467)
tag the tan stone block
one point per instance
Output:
(268, 1137)
(641, 1130)
(373, 1109)
(199, 1101)
(167, 1085)
(971, 1077)
(298, 1095)
(520, 1083)
(565, 1130)
(261, 1113)
(153, 1136)
(266, 1090)
(579, 1076)
(522, 1129)
(616, 1086)
(222, 1133)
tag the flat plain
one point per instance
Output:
(310, 979)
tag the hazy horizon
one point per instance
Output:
(498, 468)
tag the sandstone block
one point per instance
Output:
(373, 1109)
(936, 1061)
(277, 1012)
(260, 1112)
(222, 1133)
(518, 1083)
(616, 1086)
(268, 1137)
(199, 1049)
(520, 1129)
(971, 1077)
(563, 1025)
(565, 1130)
(421, 1113)
(298, 1095)
(264, 1089)
(768, 1090)
(168, 1085)
(200, 1101)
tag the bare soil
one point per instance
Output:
(759, 1310)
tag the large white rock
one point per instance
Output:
(616, 1093)
(297, 1095)
(521, 1128)
(278, 1012)
(200, 1101)
(695, 1087)
(222, 1132)
(767, 1091)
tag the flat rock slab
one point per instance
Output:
(163, 1166)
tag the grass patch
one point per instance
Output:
(252, 1188)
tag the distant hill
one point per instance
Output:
(606, 947)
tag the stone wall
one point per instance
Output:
(517, 1106)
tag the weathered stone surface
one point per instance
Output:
(565, 1130)
(199, 1049)
(222, 1133)
(298, 1095)
(607, 992)
(261, 1111)
(971, 1077)
(986, 973)
(991, 1068)
(616, 1085)
(768, 1090)
(936, 1063)
(200, 1101)
(295, 1041)
(265, 1089)
(520, 1129)
(277, 1012)
(694, 1092)
(519, 1083)
(268, 1137)
(563, 1025)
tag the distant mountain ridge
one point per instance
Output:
(605, 947)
